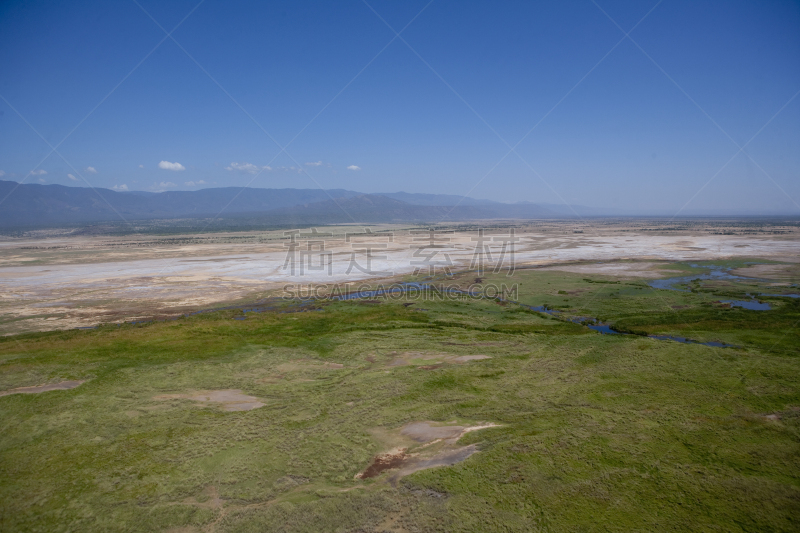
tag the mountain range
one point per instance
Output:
(33, 205)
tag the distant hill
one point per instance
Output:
(435, 199)
(372, 208)
(53, 205)
(32, 205)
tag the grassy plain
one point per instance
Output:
(595, 432)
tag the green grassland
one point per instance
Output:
(595, 432)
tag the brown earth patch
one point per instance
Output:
(382, 462)
(64, 385)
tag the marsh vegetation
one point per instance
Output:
(210, 423)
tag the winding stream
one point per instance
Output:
(716, 273)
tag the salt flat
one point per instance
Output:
(68, 282)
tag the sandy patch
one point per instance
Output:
(64, 385)
(228, 399)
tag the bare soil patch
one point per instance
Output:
(425, 445)
(425, 432)
(447, 457)
(466, 358)
(382, 462)
(64, 385)
(228, 399)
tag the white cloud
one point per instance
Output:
(122, 187)
(91, 170)
(40, 172)
(166, 165)
(141, 166)
(316, 164)
(165, 184)
(193, 183)
(73, 178)
(354, 167)
(2, 173)
(250, 168)
(41, 180)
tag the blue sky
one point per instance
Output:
(645, 124)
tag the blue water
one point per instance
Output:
(605, 329)
(782, 295)
(753, 305)
(543, 309)
(684, 340)
(590, 322)
(717, 273)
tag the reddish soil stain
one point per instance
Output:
(383, 462)
(429, 367)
